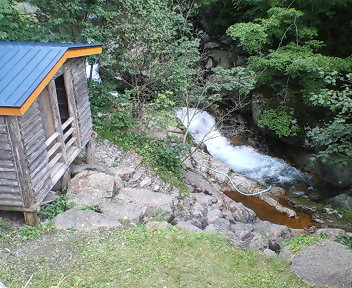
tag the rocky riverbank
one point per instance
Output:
(125, 192)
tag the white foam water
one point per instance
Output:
(242, 159)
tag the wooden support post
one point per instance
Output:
(31, 218)
(65, 179)
(90, 151)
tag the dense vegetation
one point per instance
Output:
(298, 59)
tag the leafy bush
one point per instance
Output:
(59, 205)
(278, 121)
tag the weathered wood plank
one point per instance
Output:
(25, 122)
(8, 175)
(54, 149)
(7, 168)
(24, 186)
(9, 182)
(6, 155)
(56, 115)
(40, 152)
(72, 105)
(39, 162)
(52, 138)
(55, 160)
(8, 189)
(38, 146)
(33, 135)
(40, 177)
(7, 163)
(11, 205)
(28, 129)
(5, 145)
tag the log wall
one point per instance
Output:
(35, 153)
(10, 191)
(80, 88)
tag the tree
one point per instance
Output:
(289, 47)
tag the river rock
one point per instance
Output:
(213, 215)
(91, 188)
(241, 213)
(187, 226)
(123, 171)
(327, 264)
(331, 233)
(342, 201)
(199, 183)
(276, 234)
(158, 225)
(83, 220)
(76, 169)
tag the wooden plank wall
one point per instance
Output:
(10, 191)
(80, 88)
(33, 139)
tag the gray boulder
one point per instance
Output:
(83, 220)
(342, 201)
(276, 234)
(327, 264)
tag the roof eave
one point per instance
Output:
(70, 53)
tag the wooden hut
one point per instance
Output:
(45, 119)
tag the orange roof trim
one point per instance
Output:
(74, 53)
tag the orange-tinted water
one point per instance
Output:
(266, 212)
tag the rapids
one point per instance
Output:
(244, 160)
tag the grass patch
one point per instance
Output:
(346, 241)
(345, 213)
(59, 205)
(139, 257)
(25, 233)
(297, 243)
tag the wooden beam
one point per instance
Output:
(20, 161)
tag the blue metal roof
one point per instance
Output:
(23, 66)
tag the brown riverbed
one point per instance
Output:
(266, 212)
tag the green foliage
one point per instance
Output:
(92, 207)
(237, 78)
(334, 138)
(15, 25)
(34, 232)
(25, 233)
(297, 243)
(59, 205)
(251, 36)
(278, 121)
(346, 241)
(345, 213)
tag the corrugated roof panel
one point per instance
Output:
(38, 65)
(24, 65)
(42, 68)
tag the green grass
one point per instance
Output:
(18, 236)
(139, 257)
(297, 243)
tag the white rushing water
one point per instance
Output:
(242, 159)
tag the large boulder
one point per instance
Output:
(328, 264)
(139, 204)
(276, 234)
(92, 188)
(342, 201)
(83, 220)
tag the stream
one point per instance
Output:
(247, 161)
(242, 159)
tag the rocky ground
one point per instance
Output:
(125, 192)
